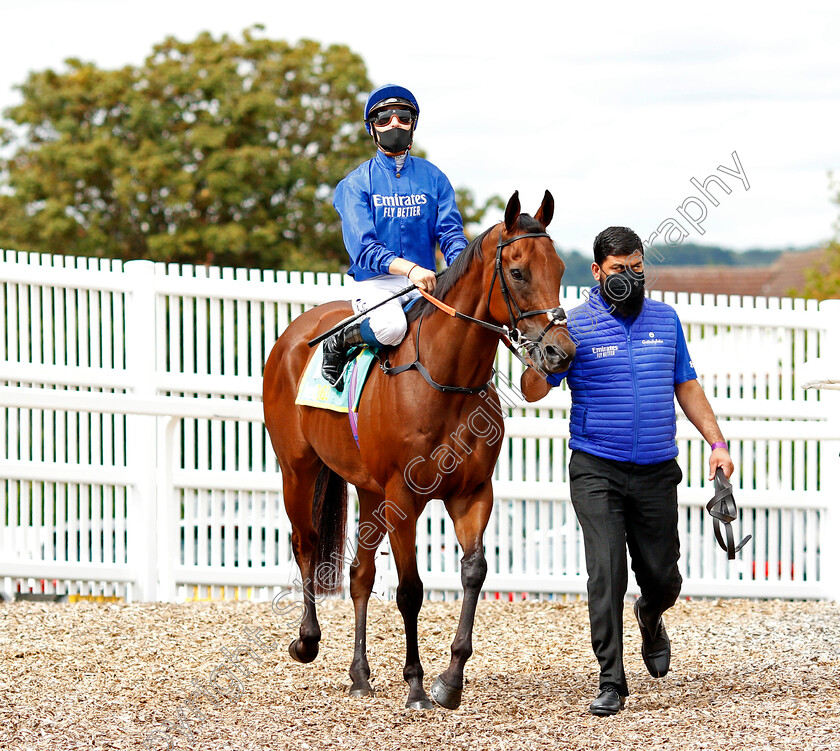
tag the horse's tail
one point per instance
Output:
(329, 517)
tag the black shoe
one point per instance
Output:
(656, 649)
(336, 353)
(607, 703)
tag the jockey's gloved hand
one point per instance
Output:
(423, 278)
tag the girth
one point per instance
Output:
(388, 369)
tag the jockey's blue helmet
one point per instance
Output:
(390, 94)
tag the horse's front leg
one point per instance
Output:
(362, 575)
(401, 520)
(470, 516)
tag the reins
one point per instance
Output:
(502, 331)
(724, 511)
(507, 334)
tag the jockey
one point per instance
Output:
(394, 209)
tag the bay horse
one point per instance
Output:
(415, 442)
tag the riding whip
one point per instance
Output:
(347, 321)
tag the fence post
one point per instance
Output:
(141, 435)
(829, 474)
(168, 513)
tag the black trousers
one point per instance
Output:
(625, 507)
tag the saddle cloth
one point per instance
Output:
(314, 391)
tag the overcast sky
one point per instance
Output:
(613, 107)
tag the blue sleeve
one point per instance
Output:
(555, 379)
(352, 203)
(449, 227)
(683, 367)
(579, 318)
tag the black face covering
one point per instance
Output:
(394, 140)
(625, 292)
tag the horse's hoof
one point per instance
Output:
(447, 697)
(421, 704)
(361, 693)
(293, 651)
(293, 647)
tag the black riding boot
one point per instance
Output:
(336, 350)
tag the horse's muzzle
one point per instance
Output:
(555, 352)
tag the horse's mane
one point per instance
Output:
(462, 263)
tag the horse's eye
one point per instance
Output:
(516, 274)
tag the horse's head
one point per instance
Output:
(522, 284)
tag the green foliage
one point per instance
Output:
(578, 268)
(579, 274)
(216, 150)
(823, 280)
(691, 254)
(219, 151)
(471, 214)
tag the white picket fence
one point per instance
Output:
(135, 463)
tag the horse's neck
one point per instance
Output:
(459, 352)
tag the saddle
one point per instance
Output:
(314, 391)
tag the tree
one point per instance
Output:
(216, 150)
(823, 280)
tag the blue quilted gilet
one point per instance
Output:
(622, 382)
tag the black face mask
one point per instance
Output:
(625, 292)
(394, 141)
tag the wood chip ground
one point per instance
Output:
(745, 675)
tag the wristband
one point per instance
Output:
(408, 273)
(720, 445)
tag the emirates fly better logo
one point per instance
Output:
(398, 206)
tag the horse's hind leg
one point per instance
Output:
(362, 574)
(470, 516)
(298, 492)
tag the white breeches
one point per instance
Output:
(387, 321)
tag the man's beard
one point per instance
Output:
(624, 292)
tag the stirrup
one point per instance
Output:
(338, 384)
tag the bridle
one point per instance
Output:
(556, 316)
(509, 334)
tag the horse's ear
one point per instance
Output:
(512, 210)
(546, 210)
